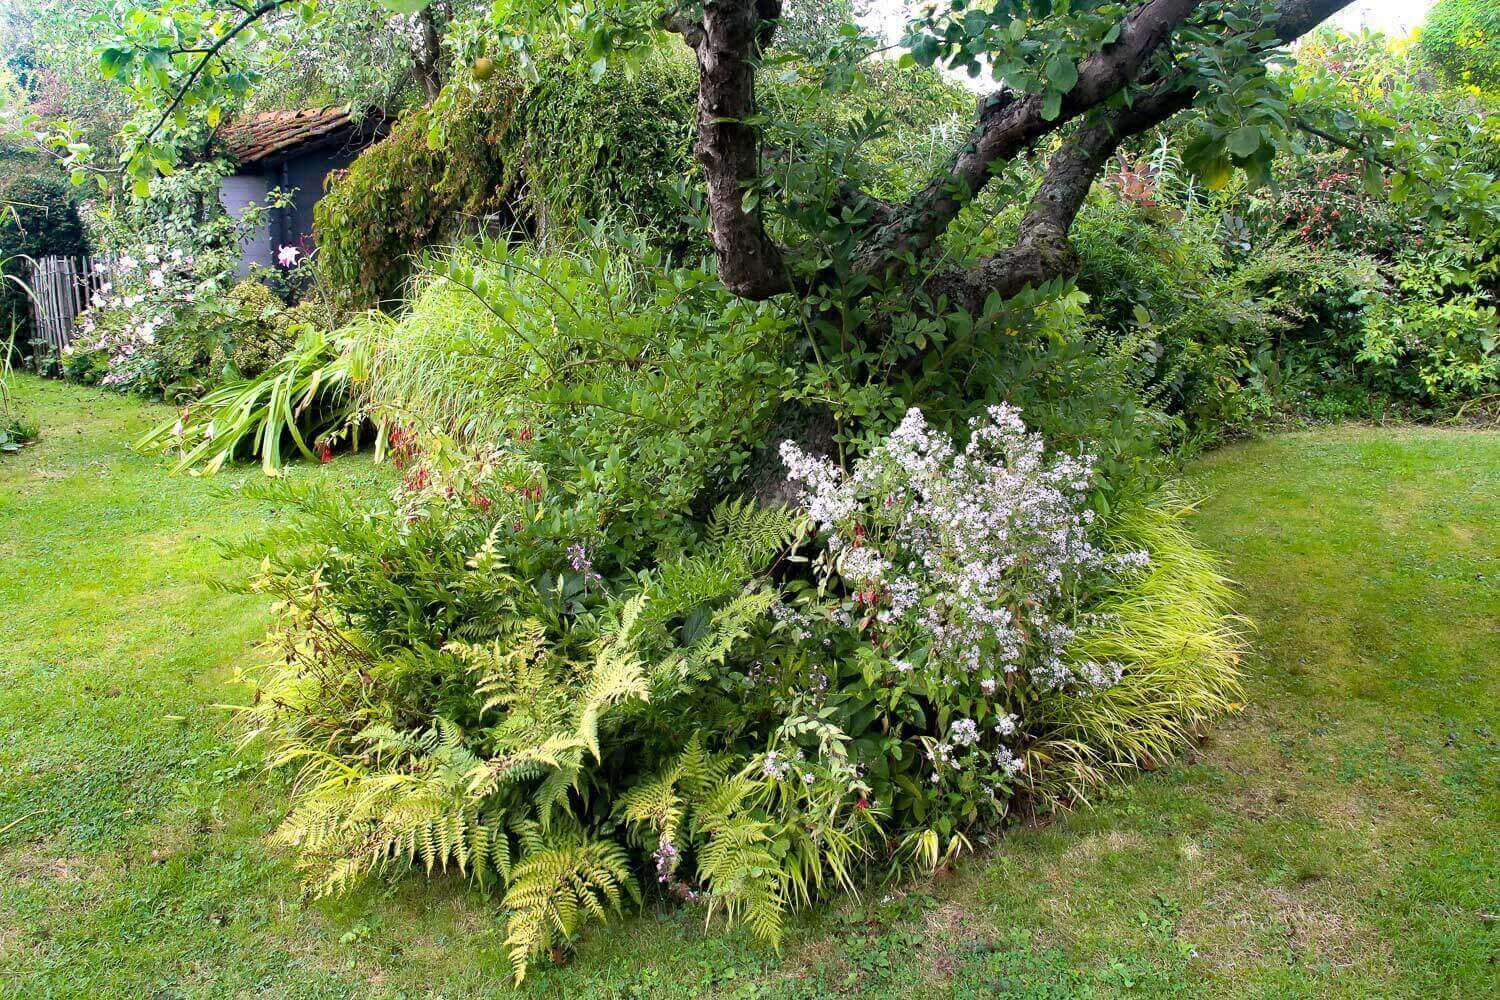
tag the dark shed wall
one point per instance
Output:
(293, 226)
(239, 193)
(307, 174)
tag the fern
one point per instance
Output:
(559, 887)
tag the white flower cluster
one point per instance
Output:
(139, 297)
(976, 553)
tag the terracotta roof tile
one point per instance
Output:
(267, 134)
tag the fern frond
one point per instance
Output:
(554, 887)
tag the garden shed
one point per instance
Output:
(294, 151)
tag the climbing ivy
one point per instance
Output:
(540, 155)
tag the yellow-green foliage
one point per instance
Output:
(258, 330)
(1171, 630)
(1462, 39)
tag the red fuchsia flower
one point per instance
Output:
(325, 452)
(481, 501)
(525, 434)
(863, 803)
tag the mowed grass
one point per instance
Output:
(1337, 838)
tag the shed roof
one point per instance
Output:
(269, 135)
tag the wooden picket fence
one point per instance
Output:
(61, 288)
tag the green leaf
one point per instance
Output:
(1245, 141)
(1062, 72)
(111, 61)
(1216, 174)
(1052, 105)
(404, 6)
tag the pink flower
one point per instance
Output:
(287, 256)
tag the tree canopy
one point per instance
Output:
(1074, 79)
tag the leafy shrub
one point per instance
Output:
(563, 669)
(1462, 39)
(546, 156)
(637, 388)
(1435, 338)
(153, 328)
(256, 332)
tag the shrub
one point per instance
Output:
(566, 686)
(638, 389)
(548, 155)
(1435, 337)
(1462, 39)
(153, 328)
(257, 330)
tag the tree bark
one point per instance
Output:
(729, 37)
(731, 34)
(427, 54)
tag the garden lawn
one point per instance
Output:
(1337, 838)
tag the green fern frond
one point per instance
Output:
(554, 887)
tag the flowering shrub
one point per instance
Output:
(152, 326)
(968, 574)
(972, 560)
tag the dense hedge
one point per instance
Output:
(1462, 39)
(38, 216)
(547, 154)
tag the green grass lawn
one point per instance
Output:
(1337, 838)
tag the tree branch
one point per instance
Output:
(210, 54)
(1008, 124)
(1043, 249)
(1353, 147)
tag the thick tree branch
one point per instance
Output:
(1043, 249)
(1008, 124)
(729, 37)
